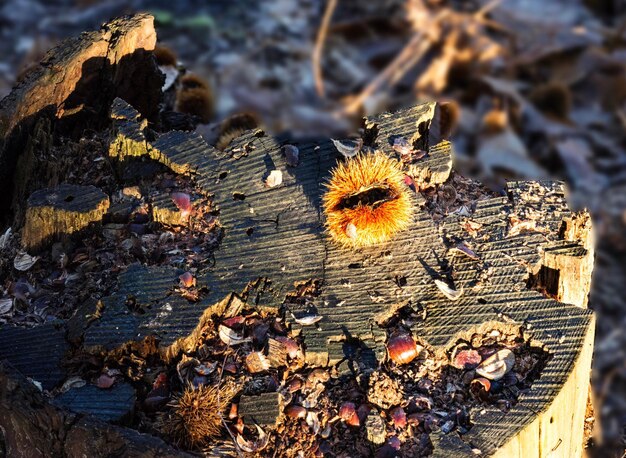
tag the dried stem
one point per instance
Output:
(405, 60)
(220, 412)
(319, 47)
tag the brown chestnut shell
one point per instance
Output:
(402, 348)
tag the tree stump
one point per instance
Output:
(277, 234)
(511, 266)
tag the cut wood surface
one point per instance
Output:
(263, 409)
(277, 234)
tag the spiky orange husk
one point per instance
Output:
(196, 416)
(373, 224)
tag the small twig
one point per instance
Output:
(319, 47)
(219, 410)
(405, 60)
(479, 16)
(405, 54)
(481, 13)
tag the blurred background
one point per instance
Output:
(536, 89)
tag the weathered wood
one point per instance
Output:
(275, 240)
(62, 210)
(263, 409)
(413, 124)
(277, 234)
(33, 428)
(73, 87)
(87, 72)
(564, 270)
(183, 152)
(36, 352)
(110, 405)
(128, 132)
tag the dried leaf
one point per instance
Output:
(6, 304)
(466, 359)
(184, 368)
(230, 337)
(461, 211)
(23, 261)
(205, 369)
(73, 382)
(450, 293)
(348, 148)
(519, 226)
(307, 320)
(275, 178)
(183, 202)
(466, 250)
(187, 280)
(402, 146)
(472, 227)
(398, 416)
(313, 421)
(292, 347)
(253, 446)
(497, 365)
(104, 381)
(4, 238)
(292, 155)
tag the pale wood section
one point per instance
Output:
(576, 283)
(65, 209)
(557, 432)
(574, 265)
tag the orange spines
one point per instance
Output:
(366, 201)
